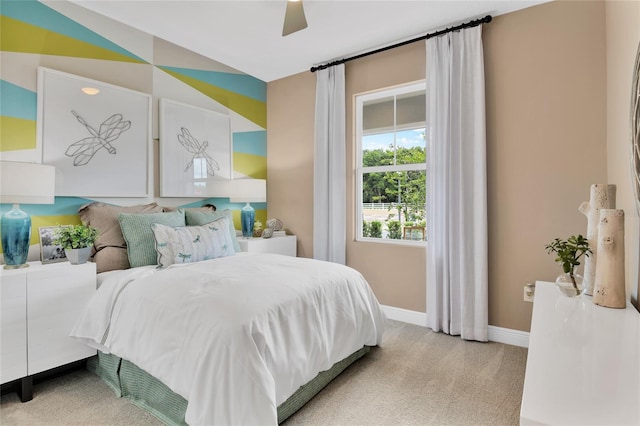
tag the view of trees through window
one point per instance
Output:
(392, 164)
(393, 200)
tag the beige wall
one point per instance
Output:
(623, 35)
(546, 132)
(546, 124)
(290, 110)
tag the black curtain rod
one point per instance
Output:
(469, 24)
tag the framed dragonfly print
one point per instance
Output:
(195, 150)
(97, 135)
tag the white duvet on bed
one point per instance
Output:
(235, 336)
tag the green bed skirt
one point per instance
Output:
(129, 381)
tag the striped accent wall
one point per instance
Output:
(64, 36)
(17, 117)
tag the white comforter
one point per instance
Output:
(235, 336)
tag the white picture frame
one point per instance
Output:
(100, 144)
(195, 150)
(50, 252)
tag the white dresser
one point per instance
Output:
(39, 306)
(583, 365)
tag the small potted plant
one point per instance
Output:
(568, 253)
(76, 240)
(257, 229)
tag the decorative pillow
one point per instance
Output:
(194, 217)
(187, 244)
(110, 249)
(111, 258)
(136, 229)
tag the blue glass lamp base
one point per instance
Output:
(247, 220)
(15, 226)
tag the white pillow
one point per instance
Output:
(185, 244)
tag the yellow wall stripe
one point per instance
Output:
(250, 108)
(27, 38)
(17, 133)
(251, 165)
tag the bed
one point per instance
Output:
(234, 338)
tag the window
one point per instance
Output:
(391, 165)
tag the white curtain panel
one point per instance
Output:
(329, 177)
(457, 186)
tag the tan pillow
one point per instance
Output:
(104, 217)
(111, 258)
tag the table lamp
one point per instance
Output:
(248, 191)
(22, 183)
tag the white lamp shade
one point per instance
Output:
(27, 183)
(248, 191)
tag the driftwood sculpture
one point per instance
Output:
(609, 287)
(602, 196)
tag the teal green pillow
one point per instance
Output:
(197, 218)
(136, 230)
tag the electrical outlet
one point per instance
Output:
(529, 292)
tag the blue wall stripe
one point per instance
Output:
(238, 83)
(224, 204)
(63, 206)
(36, 13)
(16, 101)
(251, 142)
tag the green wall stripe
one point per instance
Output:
(238, 83)
(17, 133)
(254, 143)
(39, 15)
(252, 109)
(16, 101)
(27, 38)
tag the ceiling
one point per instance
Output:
(246, 34)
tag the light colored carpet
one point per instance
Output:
(416, 377)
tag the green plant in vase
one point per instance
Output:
(568, 252)
(76, 240)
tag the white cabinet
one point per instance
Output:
(13, 319)
(286, 245)
(40, 305)
(583, 362)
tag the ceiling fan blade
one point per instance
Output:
(294, 19)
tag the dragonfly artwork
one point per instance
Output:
(198, 149)
(83, 150)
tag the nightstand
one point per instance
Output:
(286, 245)
(39, 306)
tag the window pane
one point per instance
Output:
(377, 150)
(411, 147)
(394, 205)
(378, 115)
(411, 109)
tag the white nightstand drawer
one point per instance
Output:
(13, 318)
(55, 299)
(286, 245)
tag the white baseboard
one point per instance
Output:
(509, 336)
(405, 315)
(496, 334)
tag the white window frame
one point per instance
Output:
(359, 170)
